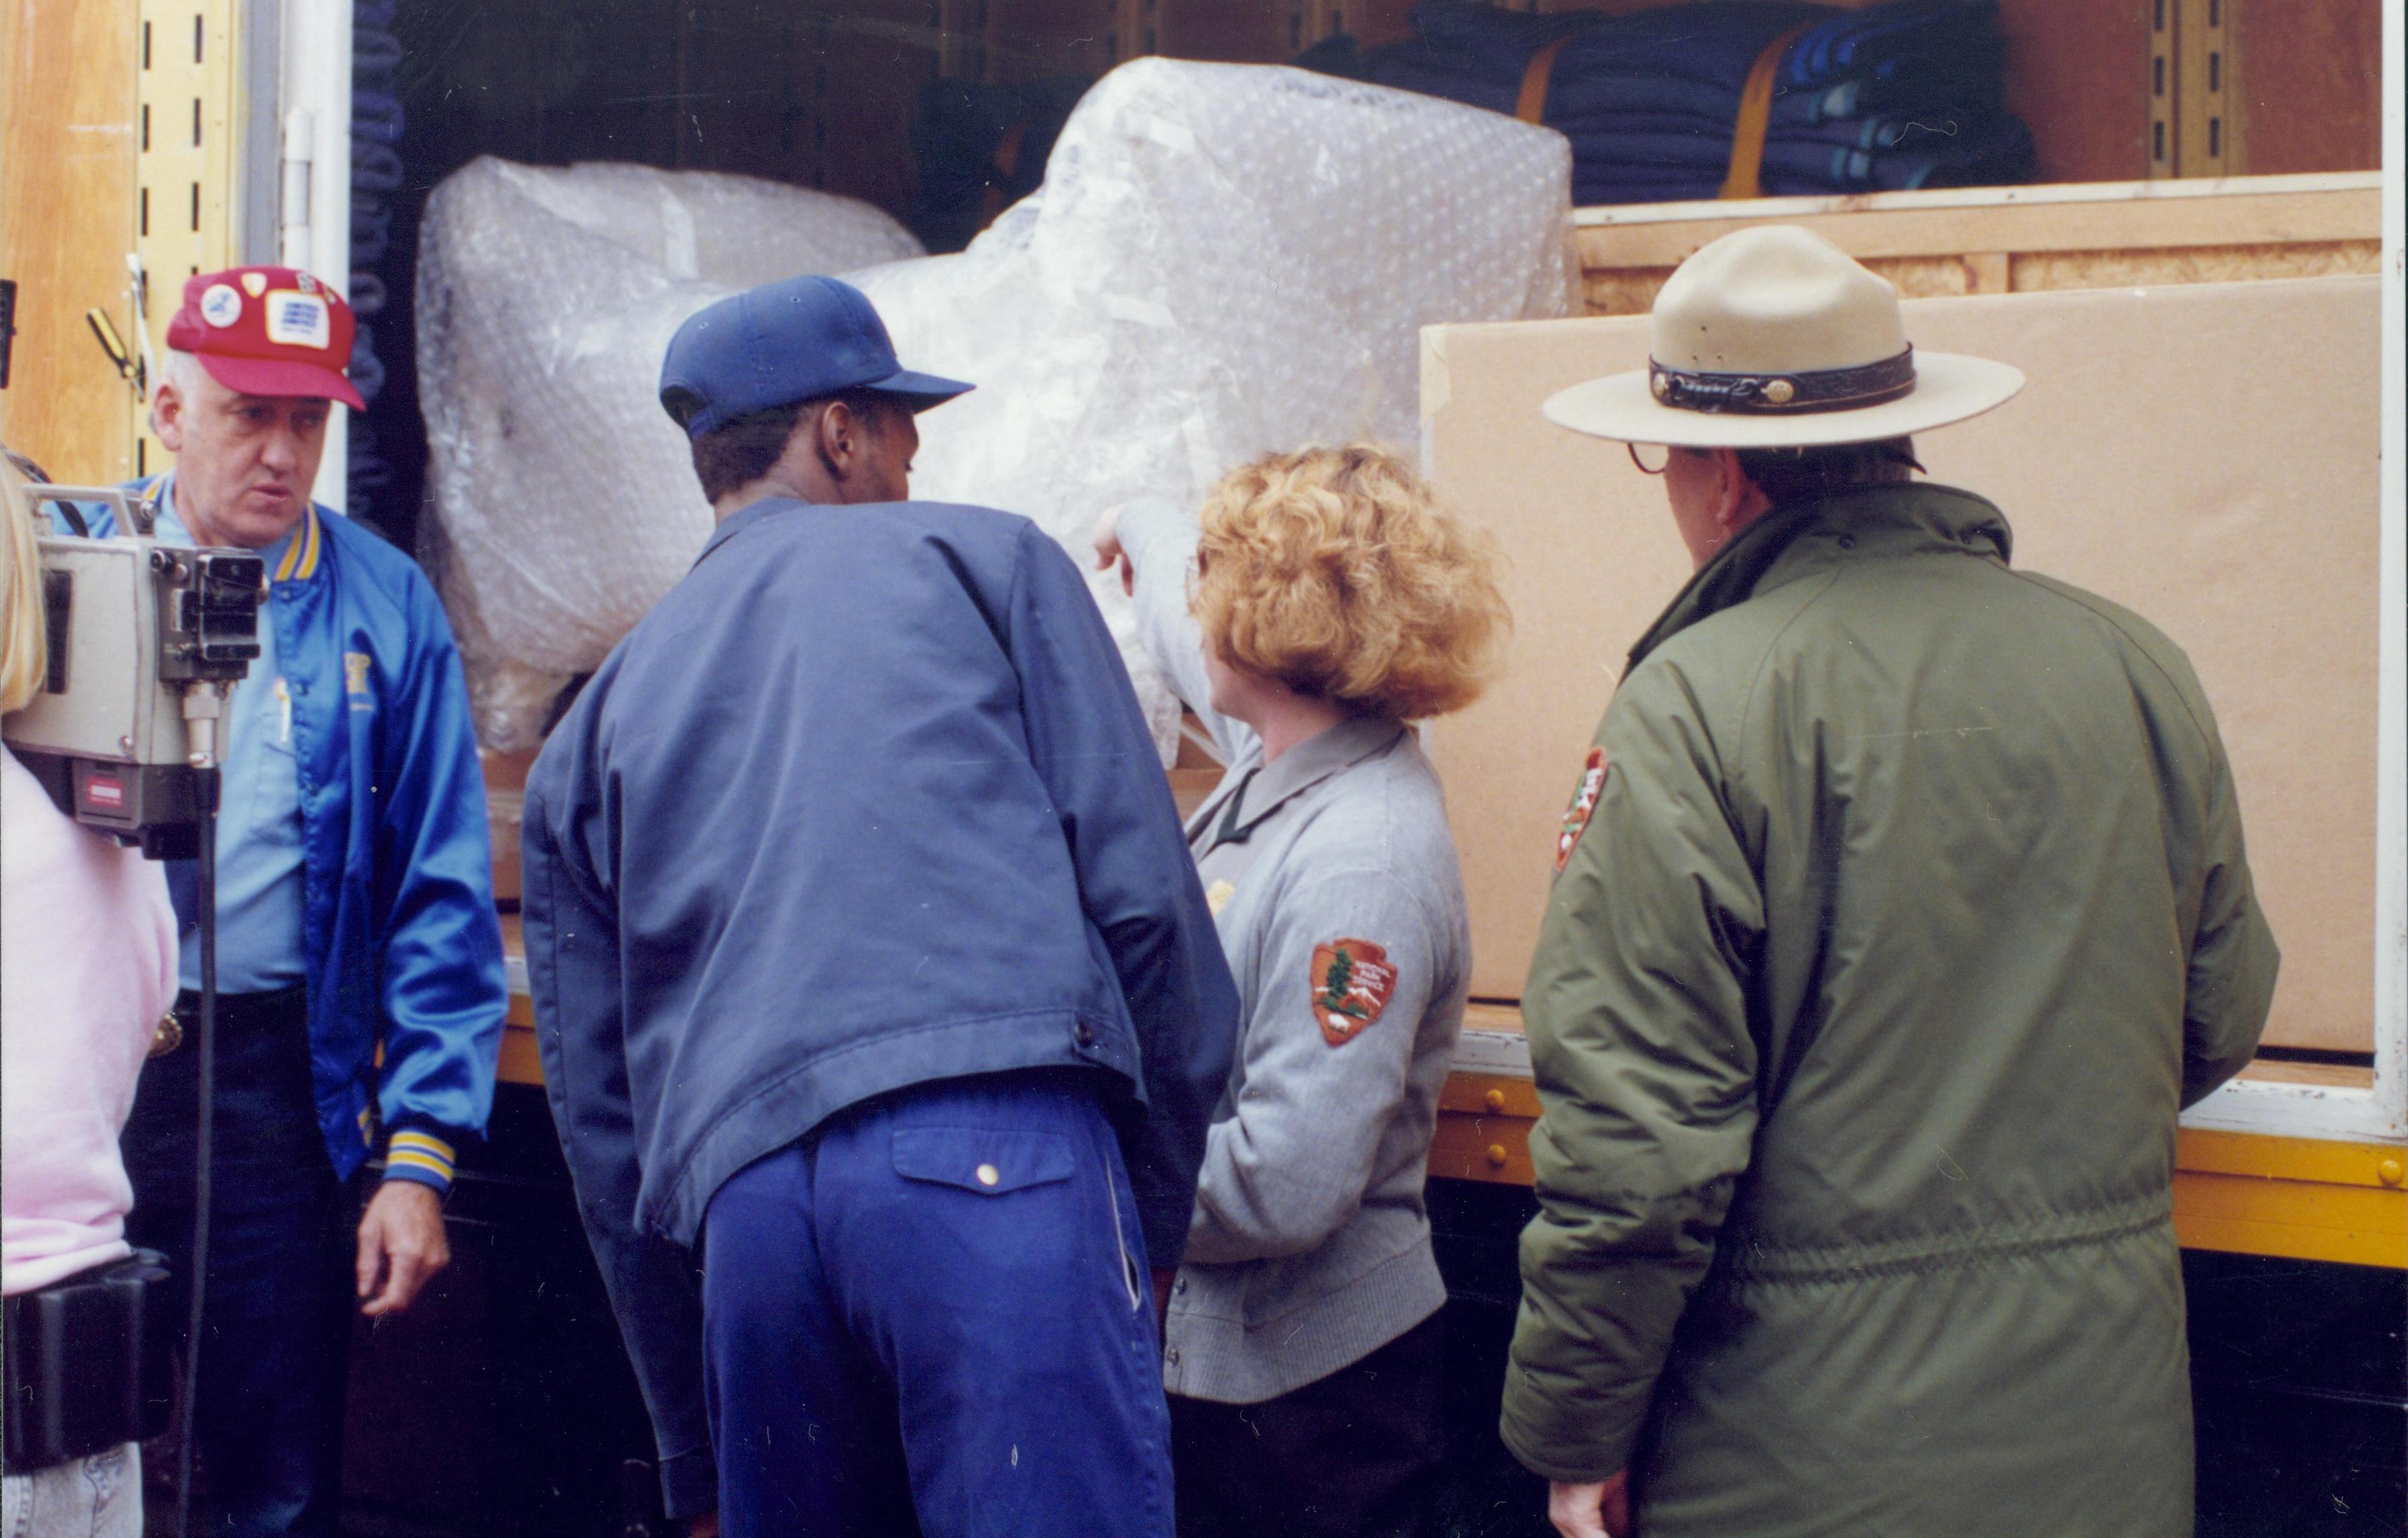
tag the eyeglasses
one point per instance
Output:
(1644, 467)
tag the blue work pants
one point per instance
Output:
(277, 1323)
(932, 1316)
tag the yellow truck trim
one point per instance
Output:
(2294, 1198)
(2301, 1199)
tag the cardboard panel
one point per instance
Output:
(2205, 454)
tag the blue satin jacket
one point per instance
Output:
(405, 951)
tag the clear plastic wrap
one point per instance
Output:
(563, 500)
(1223, 260)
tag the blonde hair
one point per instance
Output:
(1336, 572)
(24, 641)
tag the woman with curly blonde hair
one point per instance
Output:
(1322, 603)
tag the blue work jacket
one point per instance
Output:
(864, 802)
(405, 950)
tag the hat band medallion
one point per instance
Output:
(1800, 392)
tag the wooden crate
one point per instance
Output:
(2020, 239)
(2304, 1198)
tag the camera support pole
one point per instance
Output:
(204, 702)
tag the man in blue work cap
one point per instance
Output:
(870, 969)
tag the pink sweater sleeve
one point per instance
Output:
(87, 968)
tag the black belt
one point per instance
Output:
(88, 1362)
(236, 1012)
(274, 1004)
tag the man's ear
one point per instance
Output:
(167, 416)
(1730, 490)
(839, 435)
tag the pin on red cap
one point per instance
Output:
(268, 331)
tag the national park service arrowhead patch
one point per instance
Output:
(1584, 807)
(1352, 983)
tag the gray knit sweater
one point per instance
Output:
(1337, 897)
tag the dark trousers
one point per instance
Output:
(932, 1316)
(1358, 1454)
(276, 1330)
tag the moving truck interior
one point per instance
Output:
(2172, 143)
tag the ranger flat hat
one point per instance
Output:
(1773, 337)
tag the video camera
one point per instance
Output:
(145, 641)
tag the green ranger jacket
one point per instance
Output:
(1910, 907)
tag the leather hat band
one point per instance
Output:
(1777, 394)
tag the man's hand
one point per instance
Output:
(705, 1525)
(1108, 552)
(1591, 1511)
(402, 1246)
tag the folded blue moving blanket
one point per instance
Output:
(1893, 96)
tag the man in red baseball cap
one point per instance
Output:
(359, 957)
(255, 357)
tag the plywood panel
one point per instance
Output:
(1257, 32)
(2077, 74)
(750, 93)
(1375, 23)
(2309, 78)
(1030, 39)
(2206, 264)
(2153, 458)
(2131, 215)
(67, 144)
(1932, 244)
(1631, 290)
(871, 64)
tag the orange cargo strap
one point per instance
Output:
(1006, 152)
(1531, 105)
(1005, 165)
(1745, 178)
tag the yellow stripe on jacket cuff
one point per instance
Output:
(420, 1156)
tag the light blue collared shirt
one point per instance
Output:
(260, 943)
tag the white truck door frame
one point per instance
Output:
(313, 190)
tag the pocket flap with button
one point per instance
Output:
(989, 1162)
